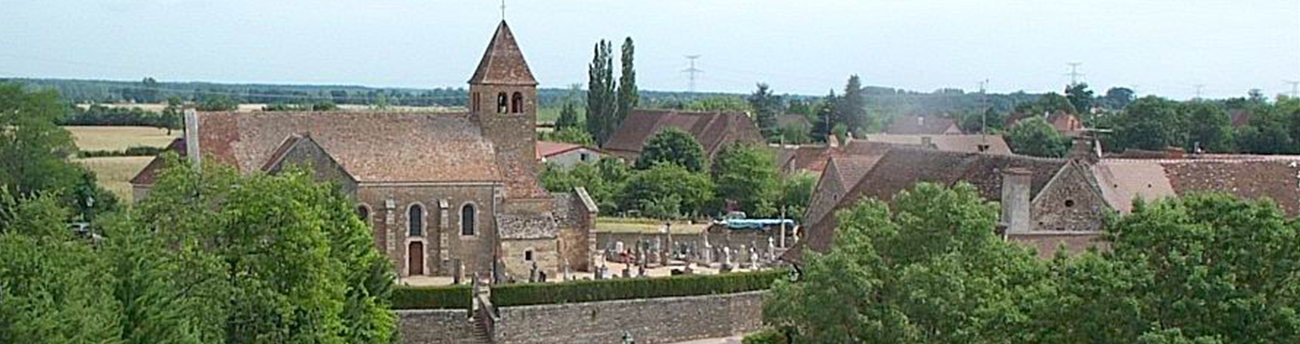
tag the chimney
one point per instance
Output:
(191, 136)
(1015, 200)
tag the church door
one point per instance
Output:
(415, 258)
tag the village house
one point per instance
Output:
(447, 194)
(1045, 203)
(922, 125)
(566, 155)
(712, 130)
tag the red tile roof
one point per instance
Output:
(548, 149)
(711, 129)
(922, 125)
(503, 63)
(954, 143)
(150, 172)
(369, 146)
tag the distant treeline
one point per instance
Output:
(884, 101)
(107, 116)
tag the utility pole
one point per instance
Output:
(1074, 72)
(691, 71)
(1295, 85)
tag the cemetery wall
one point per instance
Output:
(649, 321)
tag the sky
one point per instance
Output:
(1162, 47)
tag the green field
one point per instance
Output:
(550, 113)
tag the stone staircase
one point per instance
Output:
(482, 316)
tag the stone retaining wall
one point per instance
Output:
(434, 326)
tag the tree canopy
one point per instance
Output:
(672, 146)
(1033, 136)
(746, 175)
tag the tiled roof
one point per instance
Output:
(954, 143)
(922, 125)
(1275, 177)
(548, 149)
(503, 63)
(370, 146)
(902, 167)
(150, 172)
(711, 129)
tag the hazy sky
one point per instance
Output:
(808, 46)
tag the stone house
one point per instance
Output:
(1045, 203)
(712, 130)
(445, 193)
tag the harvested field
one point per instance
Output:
(119, 138)
(115, 173)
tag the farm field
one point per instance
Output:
(115, 173)
(95, 138)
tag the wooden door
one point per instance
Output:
(415, 256)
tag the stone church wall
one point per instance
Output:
(441, 236)
(514, 256)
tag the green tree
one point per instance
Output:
(568, 117)
(667, 190)
(851, 108)
(989, 121)
(572, 135)
(800, 107)
(627, 91)
(1118, 97)
(1080, 97)
(796, 192)
(672, 146)
(601, 101)
(34, 153)
(766, 108)
(1150, 123)
(299, 265)
(824, 119)
(217, 103)
(746, 175)
(929, 271)
(54, 287)
(720, 103)
(172, 114)
(1209, 128)
(1034, 137)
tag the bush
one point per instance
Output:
(766, 336)
(636, 288)
(132, 151)
(441, 297)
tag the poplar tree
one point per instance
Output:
(627, 91)
(600, 93)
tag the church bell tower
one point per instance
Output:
(503, 101)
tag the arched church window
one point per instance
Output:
(517, 103)
(415, 217)
(501, 102)
(467, 220)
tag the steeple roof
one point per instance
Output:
(503, 63)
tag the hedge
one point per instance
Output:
(132, 151)
(631, 288)
(441, 297)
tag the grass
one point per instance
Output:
(645, 226)
(115, 173)
(119, 138)
(551, 113)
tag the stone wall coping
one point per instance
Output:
(613, 302)
(463, 312)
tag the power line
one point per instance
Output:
(1295, 85)
(692, 71)
(1074, 72)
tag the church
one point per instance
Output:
(446, 194)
